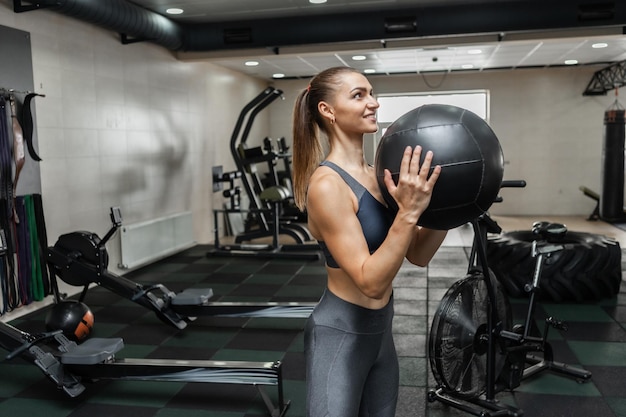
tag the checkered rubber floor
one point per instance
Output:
(596, 340)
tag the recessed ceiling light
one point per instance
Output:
(278, 75)
(359, 58)
(599, 45)
(467, 66)
(369, 71)
(251, 63)
(317, 1)
(571, 62)
(474, 52)
(174, 10)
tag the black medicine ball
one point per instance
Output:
(74, 318)
(465, 147)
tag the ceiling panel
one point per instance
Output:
(450, 34)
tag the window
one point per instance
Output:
(394, 106)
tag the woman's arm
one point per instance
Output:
(332, 217)
(331, 208)
(424, 245)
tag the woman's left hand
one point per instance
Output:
(414, 189)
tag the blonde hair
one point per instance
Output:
(307, 150)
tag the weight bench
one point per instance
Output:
(272, 196)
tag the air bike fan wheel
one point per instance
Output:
(458, 342)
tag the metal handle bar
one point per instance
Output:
(513, 184)
(509, 184)
(29, 343)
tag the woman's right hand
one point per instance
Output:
(414, 189)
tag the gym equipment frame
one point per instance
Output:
(473, 350)
(81, 259)
(68, 364)
(265, 203)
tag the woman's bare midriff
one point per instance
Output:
(343, 287)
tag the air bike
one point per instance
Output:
(474, 350)
(81, 259)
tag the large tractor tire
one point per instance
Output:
(589, 268)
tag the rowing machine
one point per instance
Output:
(81, 259)
(67, 364)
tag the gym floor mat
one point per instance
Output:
(596, 340)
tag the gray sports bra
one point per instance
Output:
(375, 218)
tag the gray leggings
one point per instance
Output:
(352, 365)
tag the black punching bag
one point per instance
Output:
(612, 197)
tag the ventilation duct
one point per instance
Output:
(596, 11)
(131, 21)
(135, 23)
(401, 25)
(276, 32)
(435, 20)
(237, 36)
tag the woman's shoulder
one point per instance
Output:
(324, 176)
(326, 183)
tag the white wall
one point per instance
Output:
(551, 135)
(126, 125)
(130, 125)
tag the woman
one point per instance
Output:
(352, 366)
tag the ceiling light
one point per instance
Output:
(369, 71)
(174, 10)
(278, 75)
(317, 1)
(359, 58)
(571, 62)
(467, 66)
(251, 63)
(599, 45)
(474, 52)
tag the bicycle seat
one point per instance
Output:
(549, 231)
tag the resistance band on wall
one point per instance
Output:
(9, 296)
(29, 271)
(24, 277)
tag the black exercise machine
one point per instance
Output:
(81, 259)
(475, 351)
(275, 196)
(276, 180)
(280, 151)
(68, 364)
(265, 219)
(282, 177)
